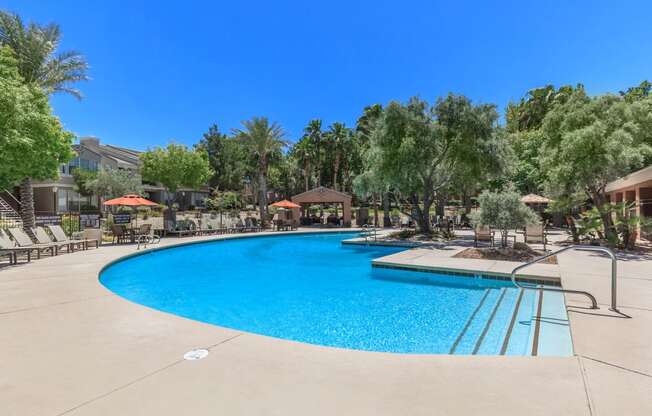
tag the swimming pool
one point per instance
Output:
(311, 288)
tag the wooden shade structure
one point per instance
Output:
(534, 199)
(322, 195)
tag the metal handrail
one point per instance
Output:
(12, 197)
(594, 303)
(367, 232)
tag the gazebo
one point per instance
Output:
(322, 195)
(536, 202)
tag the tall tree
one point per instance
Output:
(38, 60)
(590, 141)
(33, 142)
(368, 183)
(641, 91)
(339, 140)
(228, 158)
(316, 136)
(420, 147)
(176, 166)
(523, 124)
(39, 63)
(303, 153)
(263, 139)
(113, 183)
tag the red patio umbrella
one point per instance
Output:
(285, 204)
(131, 200)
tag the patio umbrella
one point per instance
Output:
(131, 200)
(285, 204)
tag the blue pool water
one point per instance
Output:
(312, 288)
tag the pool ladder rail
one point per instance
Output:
(369, 232)
(594, 303)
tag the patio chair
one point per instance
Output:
(24, 241)
(145, 236)
(119, 234)
(483, 233)
(43, 238)
(82, 241)
(143, 229)
(87, 236)
(536, 234)
(8, 248)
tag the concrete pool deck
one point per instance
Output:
(70, 346)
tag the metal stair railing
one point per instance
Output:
(369, 231)
(594, 303)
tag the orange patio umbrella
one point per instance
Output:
(285, 204)
(131, 200)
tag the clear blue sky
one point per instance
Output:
(166, 71)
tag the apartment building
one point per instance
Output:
(58, 196)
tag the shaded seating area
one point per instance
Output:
(323, 196)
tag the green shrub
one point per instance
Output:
(503, 211)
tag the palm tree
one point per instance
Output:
(263, 141)
(338, 137)
(313, 131)
(35, 47)
(38, 61)
(303, 152)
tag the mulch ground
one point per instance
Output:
(504, 254)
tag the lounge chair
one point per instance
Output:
(43, 238)
(61, 237)
(8, 248)
(536, 234)
(483, 233)
(24, 241)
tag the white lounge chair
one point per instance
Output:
(43, 238)
(8, 248)
(61, 237)
(24, 241)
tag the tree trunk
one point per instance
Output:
(375, 205)
(336, 168)
(318, 164)
(573, 229)
(262, 202)
(503, 238)
(27, 205)
(170, 216)
(607, 222)
(423, 219)
(306, 174)
(387, 221)
(467, 202)
(441, 203)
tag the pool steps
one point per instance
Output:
(516, 321)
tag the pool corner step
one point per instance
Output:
(512, 321)
(490, 322)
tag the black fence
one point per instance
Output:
(70, 221)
